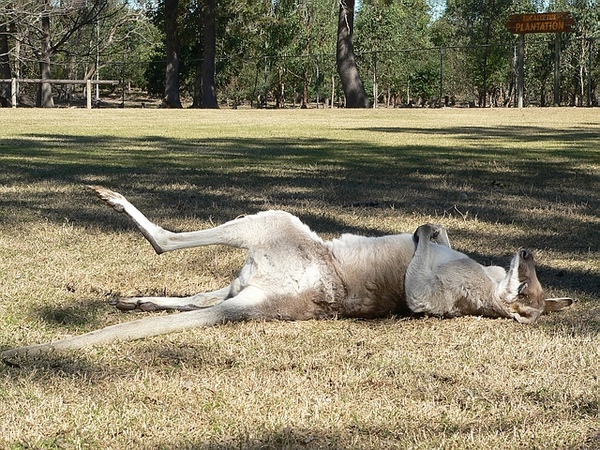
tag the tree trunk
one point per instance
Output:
(356, 97)
(197, 97)
(305, 89)
(209, 92)
(171, 98)
(5, 72)
(45, 92)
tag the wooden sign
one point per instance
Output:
(553, 22)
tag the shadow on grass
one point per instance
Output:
(550, 194)
(579, 137)
(83, 313)
(356, 435)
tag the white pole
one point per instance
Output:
(521, 70)
(88, 90)
(97, 60)
(13, 92)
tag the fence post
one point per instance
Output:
(332, 89)
(442, 103)
(375, 86)
(265, 86)
(590, 42)
(88, 91)
(13, 92)
(317, 84)
(557, 70)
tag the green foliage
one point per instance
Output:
(384, 31)
(286, 48)
(154, 75)
(580, 61)
(423, 82)
(118, 31)
(471, 23)
(479, 28)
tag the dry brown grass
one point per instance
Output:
(498, 179)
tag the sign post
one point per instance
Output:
(521, 70)
(552, 22)
(557, 70)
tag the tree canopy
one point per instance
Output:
(283, 52)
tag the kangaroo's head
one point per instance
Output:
(531, 301)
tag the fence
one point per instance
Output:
(479, 76)
(14, 86)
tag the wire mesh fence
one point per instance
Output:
(460, 76)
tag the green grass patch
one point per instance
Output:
(497, 179)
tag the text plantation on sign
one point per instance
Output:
(558, 22)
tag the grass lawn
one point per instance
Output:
(498, 179)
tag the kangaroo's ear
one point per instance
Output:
(557, 304)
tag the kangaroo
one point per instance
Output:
(292, 274)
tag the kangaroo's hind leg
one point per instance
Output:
(246, 232)
(246, 305)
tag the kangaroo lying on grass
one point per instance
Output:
(292, 274)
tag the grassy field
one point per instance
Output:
(497, 179)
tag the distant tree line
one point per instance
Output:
(251, 51)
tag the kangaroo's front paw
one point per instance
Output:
(522, 287)
(129, 304)
(124, 304)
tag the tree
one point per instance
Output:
(189, 41)
(387, 31)
(5, 71)
(77, 15)
(45, 93)
(127, 31)
(209, 94)
(580, 50)
(246, 45)
(42, 30)
(171, 98)
(478, 26)
(301, 36)
(354, 90)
